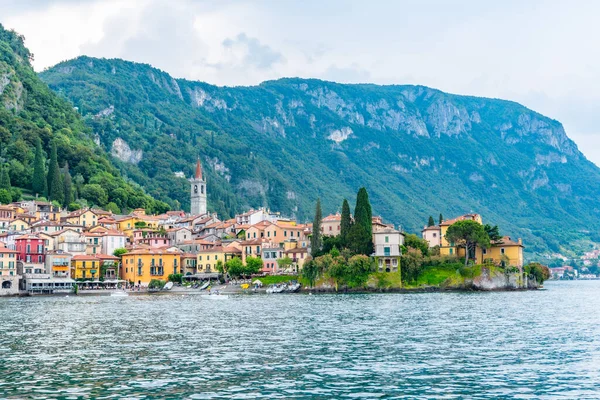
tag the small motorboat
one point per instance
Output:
(205, 285)
(168, 286)
(119, 294)
(215, 296)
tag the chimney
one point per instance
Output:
(520, 241)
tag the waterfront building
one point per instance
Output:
(85, 267)
(70, 241)
(58, 264)
(386, 244)
(141, 264)
(93, 243)
(30, 250)
(8, 262)
(504, 252)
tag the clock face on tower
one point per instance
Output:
(195, 188)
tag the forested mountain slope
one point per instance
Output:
(30, 111)
(284, 143)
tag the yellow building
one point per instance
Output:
(83, 217)
(140, 265)
(85, 267)
(8, 262)
(19, 224)
(207, 259)
(127, 224)
(505, 252)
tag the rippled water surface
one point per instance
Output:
(435, 345)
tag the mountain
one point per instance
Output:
(30, 110)
(283, 143)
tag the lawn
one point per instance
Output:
(273, 279)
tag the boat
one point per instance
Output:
(119, 294)
(168, 286)
(205, 285)
(270, 289)
(294, 287)
(215, 296)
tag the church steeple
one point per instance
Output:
(198, 175)
(198, 192)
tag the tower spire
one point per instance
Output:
(198, 170)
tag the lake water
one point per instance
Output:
(433, 345)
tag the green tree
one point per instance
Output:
(39, 184)
(441, 218)
(538, 271)
(431, 222)
(112, 207)
(5, 179)
(253, 265)
(119, 252)
(68, 186)
(345, 224)
(5, 196)
(310, 272)
(234, 267)
(284, 263)
(412, 265)
(493, 232)
(338, 271)
(469, 235)
(220, 267)
(358, 270)
(360, 238)
(56, 190)
(413, 241)
(94, 194)
(316, 242)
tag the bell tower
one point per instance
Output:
(198, 192)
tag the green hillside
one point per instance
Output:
(284, 143)
(30, 111)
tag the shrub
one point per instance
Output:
(176, 278)
(156, 284)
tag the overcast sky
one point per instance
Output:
(543, 54)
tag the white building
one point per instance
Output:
(433, 235)
(198, 192)
(386, 243)
(112, 240)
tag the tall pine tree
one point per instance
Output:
(4, 179)
(316, 240)
(38, 183)
(441, 218)
(56, 190)
(68, 186)
(431, 221)
(345, 223)
(360, 238)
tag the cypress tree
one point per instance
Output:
(431, 221)
(68, 186)
(441, 218)
(5, 179)
(316, 241)
(361, 233)
(38, 182)
(345, 223)
(56, 191)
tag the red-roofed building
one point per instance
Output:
(30, 249)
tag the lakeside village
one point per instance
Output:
(45, 249)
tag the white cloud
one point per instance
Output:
(539, 53)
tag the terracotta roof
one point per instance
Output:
(506, 241)
(333, 217)
(85, 257)
(262, 225)
(5, 250)
(431, 228)
(297, 250)
(471, 217)
(113, 232)
(158, 251)
(28, 236)
(216, 249)
(107, 257)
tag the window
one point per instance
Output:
(199, 258)
(330, 228)
(484, 251)
(285, 233)
(40, 259)
(451, 251)
(387, 239)
(386, 251)
(502, 250)
(395, 262)
(434, 234)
